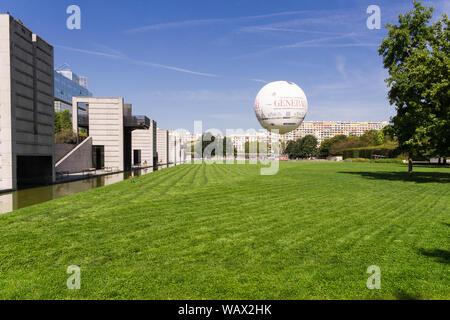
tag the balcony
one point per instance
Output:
(133, 122)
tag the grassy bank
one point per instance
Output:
(226, 232)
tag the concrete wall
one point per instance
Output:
(78, 159)
(61, 149)
(105, 126)
(172, 148)
(178, 150)
(145, 140)
(7, 167)
(26, 100)
(162, 146)
(182, 156)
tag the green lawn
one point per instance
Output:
(226, 232)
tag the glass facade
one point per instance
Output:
(65, 89)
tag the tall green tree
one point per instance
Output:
(63, 127)
(302, 148)
(371, 138)
(417, 55)
(290, 149)
(228, 148)
(327, 144)
(308, 147)
(62, 120)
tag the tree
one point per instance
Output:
(290, 148)
(305, 147)
(63, 127)
(327, 144)
(371, 138)
(350, 142)
(228, 148)
(417, 56)
(62, 120)
(308, 147)
(388, 134)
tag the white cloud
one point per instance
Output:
(199, 22)
(117, 55)
(259, 80)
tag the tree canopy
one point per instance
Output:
(417, 55)
(305, 147)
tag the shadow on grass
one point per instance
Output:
(418, 177)
(403, 295)
(440, 255)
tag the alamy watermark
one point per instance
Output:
(374, 20)
(73, 22)
(263, 149)
(74, 280)
(374, 280)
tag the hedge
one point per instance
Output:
(370, 152)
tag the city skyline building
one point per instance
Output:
(320, 129)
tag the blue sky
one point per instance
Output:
(180, 61)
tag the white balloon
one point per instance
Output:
(281, 105)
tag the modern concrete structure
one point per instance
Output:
(143, 143)
(162, 146)
(182, 155)
(177, 150)
(26, 107)
(109, 122)
(172, 148)
(77, 159)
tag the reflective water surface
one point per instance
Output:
(23, 198)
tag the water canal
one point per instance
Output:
(23, 198)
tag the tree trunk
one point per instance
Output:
(444, 161)
(439, 161)
(410, 167)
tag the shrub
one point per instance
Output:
(65, 136)
(357, 160)
(369, 152)
(389, 160)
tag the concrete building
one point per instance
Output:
(173, 158)
(109, 123)
(162, 146)
(26, 107)
(183, 154)
(144, 146)
(178, 150)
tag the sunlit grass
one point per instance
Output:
(226, 232)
